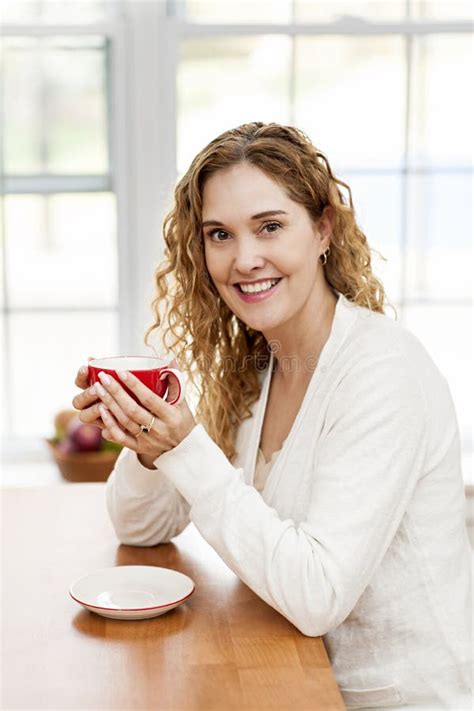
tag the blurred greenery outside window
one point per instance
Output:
(382, 105)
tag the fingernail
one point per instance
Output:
(92, 390)
(103, 411)
(83, 370)
(99, 390)
(122, 374)
(105, 378)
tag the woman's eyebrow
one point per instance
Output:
(267, 213)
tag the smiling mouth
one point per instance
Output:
(259, 288)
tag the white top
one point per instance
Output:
(262, 469)
(358, 534)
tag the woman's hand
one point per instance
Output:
(87, 402)
(123, 417)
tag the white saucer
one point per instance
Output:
(132, 592)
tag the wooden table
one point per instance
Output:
(223, 649)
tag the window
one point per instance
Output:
(60, 290)
(107, 103)
(372, 84)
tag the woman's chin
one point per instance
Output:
(257, 316)
(263, 323)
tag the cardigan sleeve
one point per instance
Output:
(144, 505)
(369, 459)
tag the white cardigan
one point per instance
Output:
(359, 533)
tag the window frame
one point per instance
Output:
(144, 39)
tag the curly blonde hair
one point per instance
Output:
(220, 354)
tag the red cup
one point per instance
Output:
(153, 372)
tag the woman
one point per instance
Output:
(323, 463)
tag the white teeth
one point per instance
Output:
(255, 288)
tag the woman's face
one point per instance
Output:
(254, 233)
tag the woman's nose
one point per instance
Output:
(248, 256)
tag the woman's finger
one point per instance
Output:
(91, 416)
(113, 432)
(126, 422)
(125, 408)
(85, 399)
(82, 377)
(151, 402)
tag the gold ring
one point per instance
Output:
(146, 428)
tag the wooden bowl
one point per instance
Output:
(84, 466)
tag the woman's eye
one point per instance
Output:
(272, 226)
(218, 234)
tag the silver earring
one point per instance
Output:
(324, 257)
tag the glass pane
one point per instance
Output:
(442, 113)
(223, 83)
(61, 250)
(377, 200)
(2, 259)
(350, 98)
(447, 10)
(46, 352)
(311, 11)
(439, 259)
(446, 332)
(238, 11)
(56, 11)
(55, 106)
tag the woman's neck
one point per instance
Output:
(297, 346)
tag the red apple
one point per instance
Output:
(84, 438)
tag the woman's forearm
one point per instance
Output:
(144, 506)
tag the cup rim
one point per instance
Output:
(103, 364)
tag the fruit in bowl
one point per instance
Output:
(79, 449)
(83, 437)
(61, 422)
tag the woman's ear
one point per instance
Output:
(324, 227)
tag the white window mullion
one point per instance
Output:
(405, 176)
(144, 145)
(55, 30)
(344, 26)
(50, 184)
